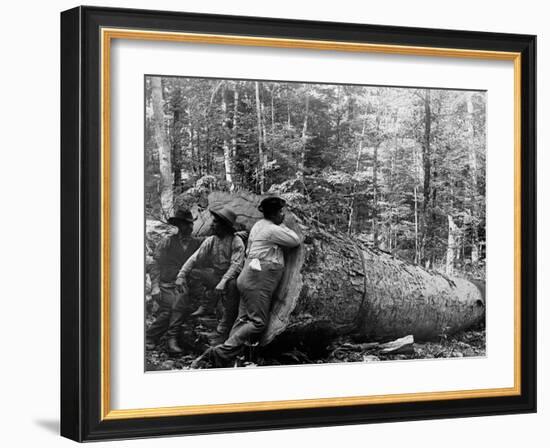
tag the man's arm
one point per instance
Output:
(283, 236)
(237, 259)
(198, 256)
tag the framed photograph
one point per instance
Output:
(272, 224)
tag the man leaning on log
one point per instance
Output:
(215, 266)
(258, 281)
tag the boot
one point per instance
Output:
(202, 311)
(173, 346)
(216, 338)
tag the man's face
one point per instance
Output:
(185, 228)
(218, 226)
(279, 216)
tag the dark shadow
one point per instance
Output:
(49, 425)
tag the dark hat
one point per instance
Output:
(183, 214)
(271, 204)
(226, 215)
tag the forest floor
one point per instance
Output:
(469, 343)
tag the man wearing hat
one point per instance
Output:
(261, 274)
(216, 265)
(170, 254)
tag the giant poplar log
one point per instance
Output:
(333, 285)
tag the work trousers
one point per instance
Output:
(201, 284)
(256, 289)
(168, 297)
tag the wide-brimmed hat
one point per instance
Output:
(226, 215)
(271, 204)
(183, 214)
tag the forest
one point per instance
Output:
(401, 169)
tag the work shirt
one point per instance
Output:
(267, 239)
(222, 254)
(170, 254)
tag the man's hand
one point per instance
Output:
(243, 235)
(220, 287)
(155, 293)
(181, 284)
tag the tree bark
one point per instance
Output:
(391, 201)
(234, 140)
(260, 149)
(199, 152)
(208, 112)
(302, 160)
(473, 175)
(416, 255)
(335, 285)
(176, 148)
(338, 116)
(264, 132)
(273, 111)
(227, 159)
(163, 148)
(289, 123)
(451, 246)
(357, 165)
(427, 164)
(191, 149)
(375, 195)
(416, 169)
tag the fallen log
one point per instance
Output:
(334, 284)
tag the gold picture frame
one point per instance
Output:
(103, 27)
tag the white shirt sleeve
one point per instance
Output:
(283, 236)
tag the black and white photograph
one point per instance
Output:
(293, 223)
(274, 223)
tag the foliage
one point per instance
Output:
(390, 165)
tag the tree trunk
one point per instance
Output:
(176, 148)
(473, 175)
(264, 131)
(227, 159)
(191, 149)
(427, 163)
(451, 246)
(338, 116)
(199, 152)
(302, 161)
(391, 201)
(416, 255)
(260, 149)
(335, 285)
(209, 155)
(273, 111)
(234, 140)
(375, 195)
(289, 123)
(416, 169)
(163, 148)
(357, 165)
